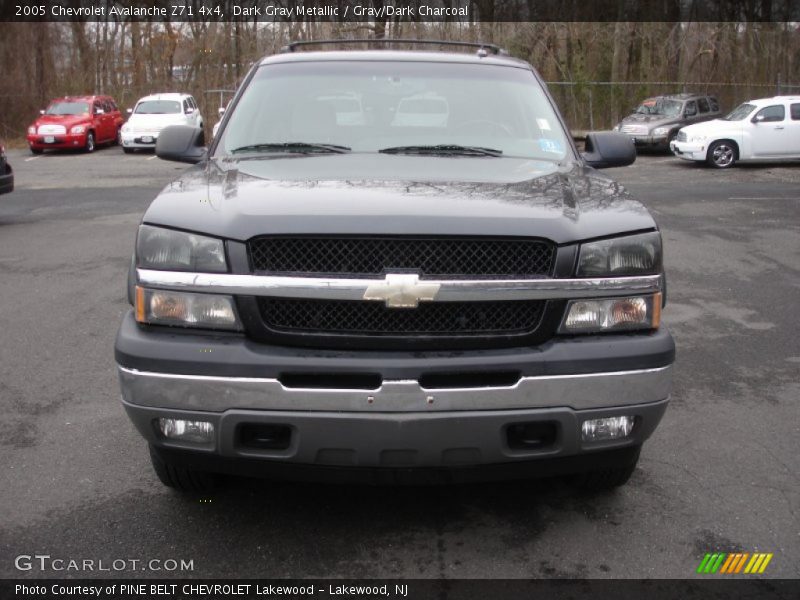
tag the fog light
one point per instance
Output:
(610, 428)
(201, 432)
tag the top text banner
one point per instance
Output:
(468, 11)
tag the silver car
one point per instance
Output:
(656, 121)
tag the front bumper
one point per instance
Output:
(232, 382)
(649, 141)
(6, 180)
(689, 150)
(397, 440)
(60, 141)
(139, 139)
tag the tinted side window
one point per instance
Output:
(702, 103)
(795, 110)
(772, 113)
(714, 104)
(690, 109)
(186, 106)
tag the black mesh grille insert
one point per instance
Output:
(451, 319)
(361, 257)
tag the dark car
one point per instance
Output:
(76, 122)
(442, 288)
(656, 121)
(6, 173)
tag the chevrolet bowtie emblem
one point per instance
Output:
(402, 291)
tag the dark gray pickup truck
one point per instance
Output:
(393, 266)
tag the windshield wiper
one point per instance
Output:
(293, 147)
(452, 149)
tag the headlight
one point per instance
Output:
(698, 138)
(661, 131)
(612, 314)
(170, 250)
(78, 129)
(616, 127)
(32, 130)
(162, 307)
(630, 255)
(126, 128)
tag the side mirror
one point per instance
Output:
(181, 143)
(758, 119)
(129, 111)
(606, 149)
(41, 112)
(221, 110)
(99, 111)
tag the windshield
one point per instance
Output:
(68, 108)
(659, 106)
(740, 112)
(158, 107)
(388, 105)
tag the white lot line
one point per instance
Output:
(33, 158)
(151, 157)
(762, 198)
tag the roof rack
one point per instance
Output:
(494, 49)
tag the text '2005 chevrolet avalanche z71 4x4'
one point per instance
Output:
(391, 264)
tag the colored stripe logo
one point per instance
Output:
(734, 563)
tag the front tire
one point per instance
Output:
(183, 479)
(89, 147)
(36, 150)
(128, 150)
(722, 154)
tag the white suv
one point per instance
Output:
(766, 129)
(152, 114)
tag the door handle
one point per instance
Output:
(779, 127)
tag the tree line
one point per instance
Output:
(606, 66)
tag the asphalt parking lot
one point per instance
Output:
(722, 473)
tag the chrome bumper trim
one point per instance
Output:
(217, 394)
(355, 289)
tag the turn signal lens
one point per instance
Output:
(163, 307)
(613, 314)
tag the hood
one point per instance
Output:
(156, 119)
(389, 194)
(65, 120)
(715, 126)
(651, 120)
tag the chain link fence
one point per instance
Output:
(599, 105)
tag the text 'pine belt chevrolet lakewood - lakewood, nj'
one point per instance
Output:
(392, 265)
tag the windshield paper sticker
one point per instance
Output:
(553, 146)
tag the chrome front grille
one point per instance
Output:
(52, 130)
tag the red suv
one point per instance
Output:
(76, 122)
